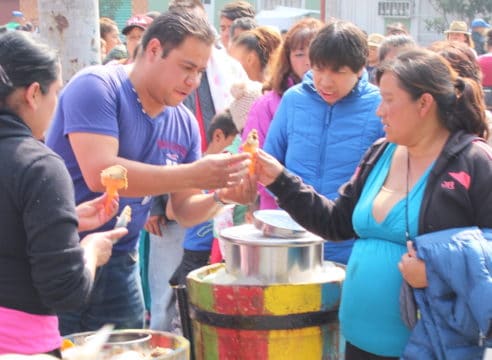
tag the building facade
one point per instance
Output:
(369, 15)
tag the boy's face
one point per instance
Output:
(334, 85)
(219, 142)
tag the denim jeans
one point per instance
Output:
(116, 298)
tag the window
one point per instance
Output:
(395, 9)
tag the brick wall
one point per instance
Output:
(30, 9)
(140, 6)
(119, 10)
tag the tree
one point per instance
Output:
(72, 27)
(465, 10)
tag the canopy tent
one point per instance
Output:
(284, 17)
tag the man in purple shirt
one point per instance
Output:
(131, 115)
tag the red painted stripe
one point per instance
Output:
(238, 300)
(240, 344)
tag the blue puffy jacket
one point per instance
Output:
(456, 307)
(324, 143)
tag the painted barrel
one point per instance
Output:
(236, 321)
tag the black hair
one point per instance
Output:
(224, 122)
(489, 38)
(24, 61)
(176, 5)
(263, 40)
(153, 14)
(243, 23)
(459, 100)
(173, 27)
(399, 42)
(338, 44)
(237, 9)
(396, 28)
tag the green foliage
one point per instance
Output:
(465, 10)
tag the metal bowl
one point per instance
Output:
(249, 255)
(128, 340)
(141, 341)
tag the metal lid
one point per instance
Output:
(277, 223)
(249, 234)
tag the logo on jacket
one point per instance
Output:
(461, 177)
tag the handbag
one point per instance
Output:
(408, 306)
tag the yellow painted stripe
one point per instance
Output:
(303, 343)
(292, 299)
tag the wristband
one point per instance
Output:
(217, 199)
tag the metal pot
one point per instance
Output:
(141, 341)
(251, 256)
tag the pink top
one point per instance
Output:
(485, 62)
(259, 117)
(24, 333)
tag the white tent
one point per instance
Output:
(283, 17)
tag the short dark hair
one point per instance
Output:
(489, 38)
(338, 44)
(153, 14)
(176, 5)
(243, 23)
(173, 27)
(23, 61)
(396, 28)
(237, 9)
(400, 42)
(224, 122)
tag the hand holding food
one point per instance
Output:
(95, 213)
(251, 145)
(114, 179)
(267, 168)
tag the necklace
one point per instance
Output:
(391, 191)
(138, 100)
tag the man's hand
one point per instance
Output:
(220, 170)
(245, 193)
(92, 214)
(154, 223)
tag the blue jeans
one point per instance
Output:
(116, 298)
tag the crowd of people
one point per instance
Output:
(373, 142)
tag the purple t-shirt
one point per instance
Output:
(101, 100)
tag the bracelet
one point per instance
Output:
(217, 199)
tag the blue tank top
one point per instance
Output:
(370, 311)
